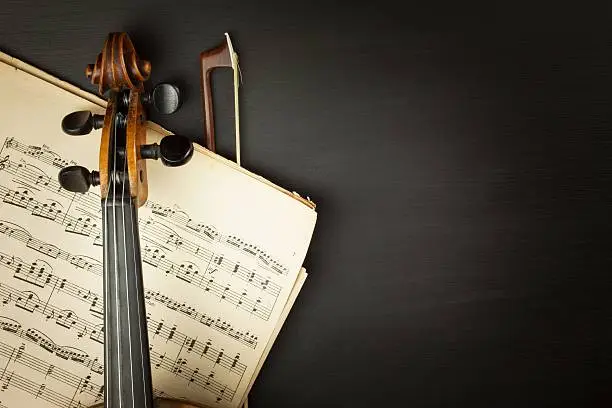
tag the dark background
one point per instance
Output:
(460, 160)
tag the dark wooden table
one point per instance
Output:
(460, 160)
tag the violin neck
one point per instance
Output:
(127, 366)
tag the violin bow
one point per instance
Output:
(220, 56)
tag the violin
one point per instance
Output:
(120, 76)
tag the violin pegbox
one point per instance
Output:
(120, 75)
(118, 66)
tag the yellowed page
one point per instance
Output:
(297, 287)
(222, 252)
(296, 290)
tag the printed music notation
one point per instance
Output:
(42, 153)
(209, 233)
(40, 274)
(159, 233)
(88, 221)
(19, 233)
(69, 320)
(44, 342)
(164, 236)
(81, 385)
(90, 200)
(13, 379)
(190, 274)
(217, 324)
(213, 354)
(30, 302)
(181, 369)
(31, 182)
(36, 177)
(86, 226)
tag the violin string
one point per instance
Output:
(114, 181)
(127, 287)
(134, 223)
(107, 341)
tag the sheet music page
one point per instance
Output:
(221, 254)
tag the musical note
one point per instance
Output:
(5, 162)
(97, 334)
(42, 391)
(221, 265)
(181, 219)
(19, 352)
(35, 176)
(224, 327)
(30, 302)
(161, 235)
(22, 198)
(27, 301)
(40, 275)
(235, 361)
(20, 234)
(81, 385)
(67, 319)
(84, 385)
(155, 257)
(70, 320)
(6, 379)
(170, 333)
(43, 154)
(50, 370)
(19, 356)
(71, 353)
(177, 367)
(36, 273)
(181, 368)
(100, 394)
(26, 198)
(88, 225)
(219, 357)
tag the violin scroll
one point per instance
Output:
(120, 74)
(118, 66)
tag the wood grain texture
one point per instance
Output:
(460, 162)
(216, 57)
(105, 148)
(136, 136)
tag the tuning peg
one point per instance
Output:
(78, 179)
(81, 123)
(172, 150)
(165, 98)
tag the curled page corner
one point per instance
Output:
(237, 81)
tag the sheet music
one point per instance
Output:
(221, 255)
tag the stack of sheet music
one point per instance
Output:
(222, 252)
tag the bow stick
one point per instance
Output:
(221, 56)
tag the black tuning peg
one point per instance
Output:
(78, 179)
(165, 98)
(81, 123)
(172, 150)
